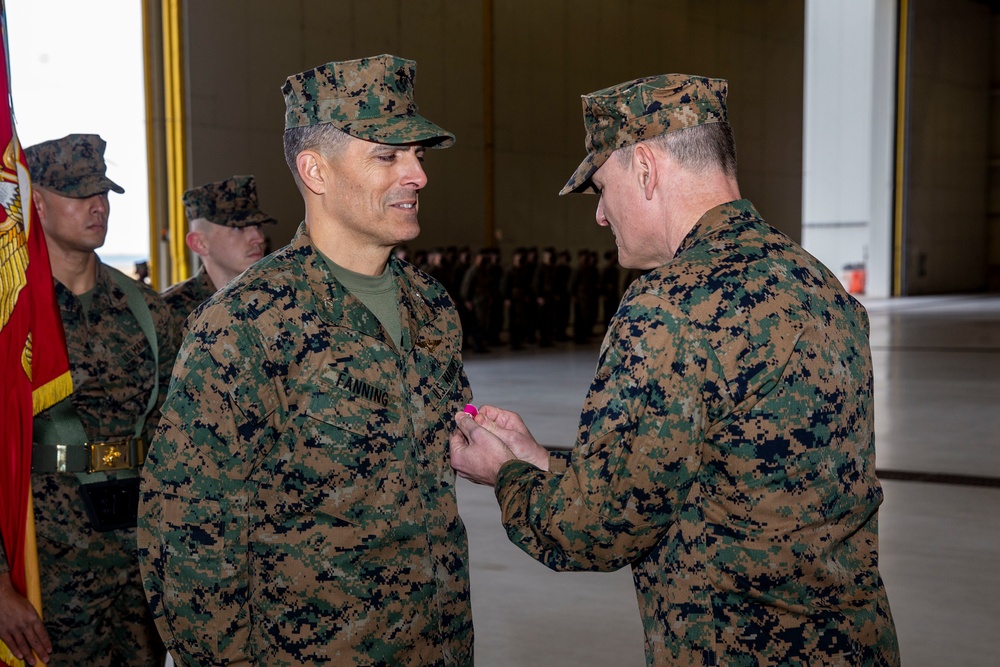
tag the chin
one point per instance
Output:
(409, 232)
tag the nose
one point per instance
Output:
(99, 203)
(413, 175)
(601, 218)
(255, 235)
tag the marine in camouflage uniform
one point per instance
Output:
(93, 603)
(224, 219)
(298, 502)
(185, 297)
(725, 449)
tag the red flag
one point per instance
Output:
(32, 343)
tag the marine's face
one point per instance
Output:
(73, 224)
(233, 249)
(639, 239)
(375, 198)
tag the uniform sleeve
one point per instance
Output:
(559, 460)
(168, 337)
(637, 455)
(193, 525)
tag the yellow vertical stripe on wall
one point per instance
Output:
(489, 230)
(898, 218)
(148, 79)
(176, 140)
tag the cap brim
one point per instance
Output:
(244, 219)
(579, 182)
(81, 188)
(400, 130)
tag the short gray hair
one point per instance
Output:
(695, 148)
(325, 139)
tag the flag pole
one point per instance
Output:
(34, 380)
(33, 579)
(32, 574)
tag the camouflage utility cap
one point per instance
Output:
(72, 166)
(631, 112)
(369, 98)
(232, 203)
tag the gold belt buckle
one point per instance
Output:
(114, 455)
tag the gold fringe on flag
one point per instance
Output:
(7, 658)
(52, 392)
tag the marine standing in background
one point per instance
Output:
(494, 319)
(726, 447)
(477, 295)
(562, 298)
(515, 288)
(543, 287)
(298, 504)
(224, 222)
(584, 286)
(610, 283)
(89, 448)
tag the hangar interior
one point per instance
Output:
(864, 128)
(506, 78)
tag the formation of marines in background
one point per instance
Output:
(541, 296)
(282, 488)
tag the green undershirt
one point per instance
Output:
(378, 293)
(85, 300)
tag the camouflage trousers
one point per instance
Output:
(94, 607)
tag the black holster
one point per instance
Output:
(111, 505)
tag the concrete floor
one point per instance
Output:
(937, 384)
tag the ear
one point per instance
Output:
(196, 241)
(312, 173)
(644, 163)
(39, 200)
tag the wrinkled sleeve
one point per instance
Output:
(168, 340)
(637, 454)
(193, 524)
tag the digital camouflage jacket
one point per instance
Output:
(298, 505)
(726, 453)
(185, 297)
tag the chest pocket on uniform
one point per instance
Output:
(351, 459)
